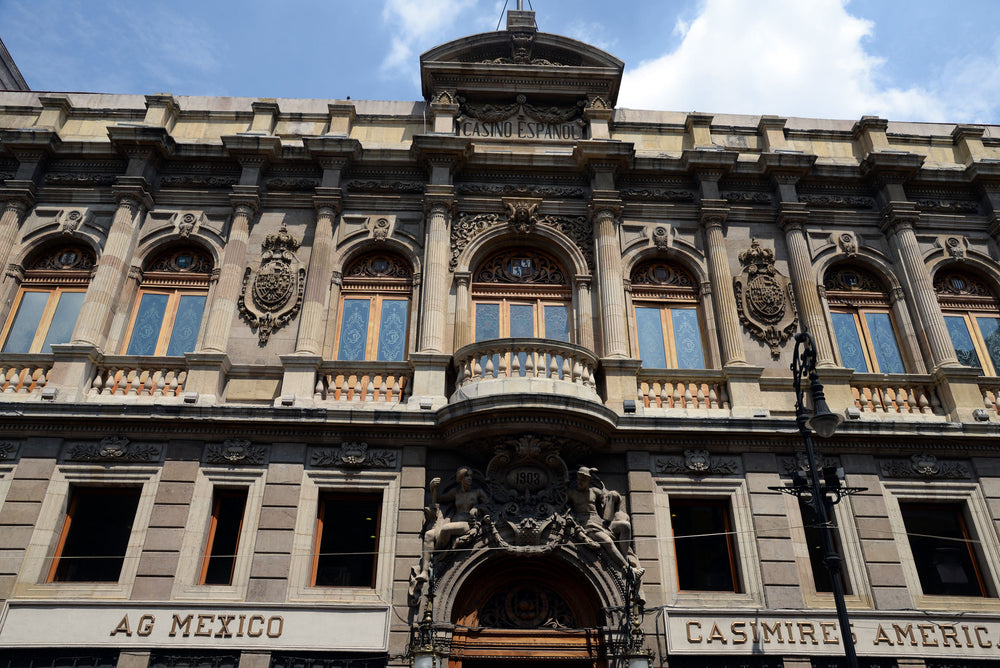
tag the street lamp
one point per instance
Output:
(820, 496)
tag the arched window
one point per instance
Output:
(862, 321)
(49, 300)
(374, 309)
(521, 293)
(972, 315)
(668, 330)
(167, 314)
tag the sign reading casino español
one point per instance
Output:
(520, 120)
(888, 635)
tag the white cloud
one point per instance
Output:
(417, 25)
(789, 58)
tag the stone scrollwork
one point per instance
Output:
(235, 451)
(697, 463)
(113, 449)
(353, 455)
(8, 450)
(924, 466)
(522, 218)
(272, 294)
(848, 244)
(527, 502)
(522, 214)
(764, 298)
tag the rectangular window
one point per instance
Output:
(867, 341)
(976, 339)
(165, 323)
(669, 337)
(373, 328)
(704, 545)
(346, 545)
(943, 549)
(95, 534)
(228, 506)
(42, 318)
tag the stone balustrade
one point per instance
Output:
(24, 374)
(147, 377)
(364, 382)
(557, 365)
(876, 393)
(682, 388)
(990, 387)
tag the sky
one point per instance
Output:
(905, 60)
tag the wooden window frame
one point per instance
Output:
(217, 498)
(55, 294)
(725, 505)
(978, 340)
(537, 303)
(867, 344)
(325, 497)
(169, 314)
(665, 309)
(374, 321)
(959, 511)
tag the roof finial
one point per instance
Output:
(520, 5)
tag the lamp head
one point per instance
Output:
(824, 421)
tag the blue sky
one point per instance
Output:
(901, 59)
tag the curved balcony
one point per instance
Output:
(507, 366)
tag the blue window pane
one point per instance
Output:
(852, 355)
(148, 322)
(392, 331)
(354, 329)
(649, 332)
(557, 322)
(884, 343)
(29, 314)
(687, 338)
(64, 320)
(187, 321)
(962, 341)
(522, 320)
(990, 329)
(487, 321)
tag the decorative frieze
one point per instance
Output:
(469, 226)
(924, 466)
(198, 181)
(837, 201)
(113, 449)
(698, 463)
(235, 451)
(515, 189)
(354, 455)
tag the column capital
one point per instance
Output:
(605, 204)
(899, 216)
(792, 216)
(439, 199)
(713, 213)
(18, 195)
(132, 192)
(463, 278)
(245, 199)
(328, 201)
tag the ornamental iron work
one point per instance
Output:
(272, 294)
(960, 283)
(186, 260)
(852, 278)
(378, 265)
(64, 258)
(764, 298)
(663, 274)
(527, 607)
(521, 266)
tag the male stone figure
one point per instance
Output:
(462, 522)
(605, 531)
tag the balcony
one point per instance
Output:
(683, 391)
(24, 376)
(531, 366)
(370, 384)
(144, 378)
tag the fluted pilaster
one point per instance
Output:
(312, 322)
(438, 206)
(607, 247)
(246, 202)
(713, 217)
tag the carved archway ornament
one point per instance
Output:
(528, 503)
(272, 294)
(764, 298)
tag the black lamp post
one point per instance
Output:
(821, 496)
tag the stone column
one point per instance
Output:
(791, 219)
(897, 223)
(463, 328)
(105, 287)
(439, 203)
(713, 217)
(246, 202)
(608, 251)
(312, 322)
(584, 313)
(16, 204)
(336, 282)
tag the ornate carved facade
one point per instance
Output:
(510, 384)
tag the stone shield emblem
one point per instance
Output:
(272, 294)
(764, 298)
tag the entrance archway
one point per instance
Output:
(527, 610)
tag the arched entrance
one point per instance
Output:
(529, 610)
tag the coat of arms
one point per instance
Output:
(272, 296)
(764, 298)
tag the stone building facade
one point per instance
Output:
(503, 374)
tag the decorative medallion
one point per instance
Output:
(275, 288)
(521, 214)
(187, 260)
(956, 248)
(924, 466)
(70, 221)
(951, 282)
(662, 274)
(64, 258)
(522, 266)
(800, 462)
(185, 225)
(661, 237)
(764, 298)
(113, 449)
(235, 451)
(848, 244)
(527, 607)
(354, 455)
(380, 229)
(697, 463)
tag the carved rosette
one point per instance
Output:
(764, 298)
(272, 294)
